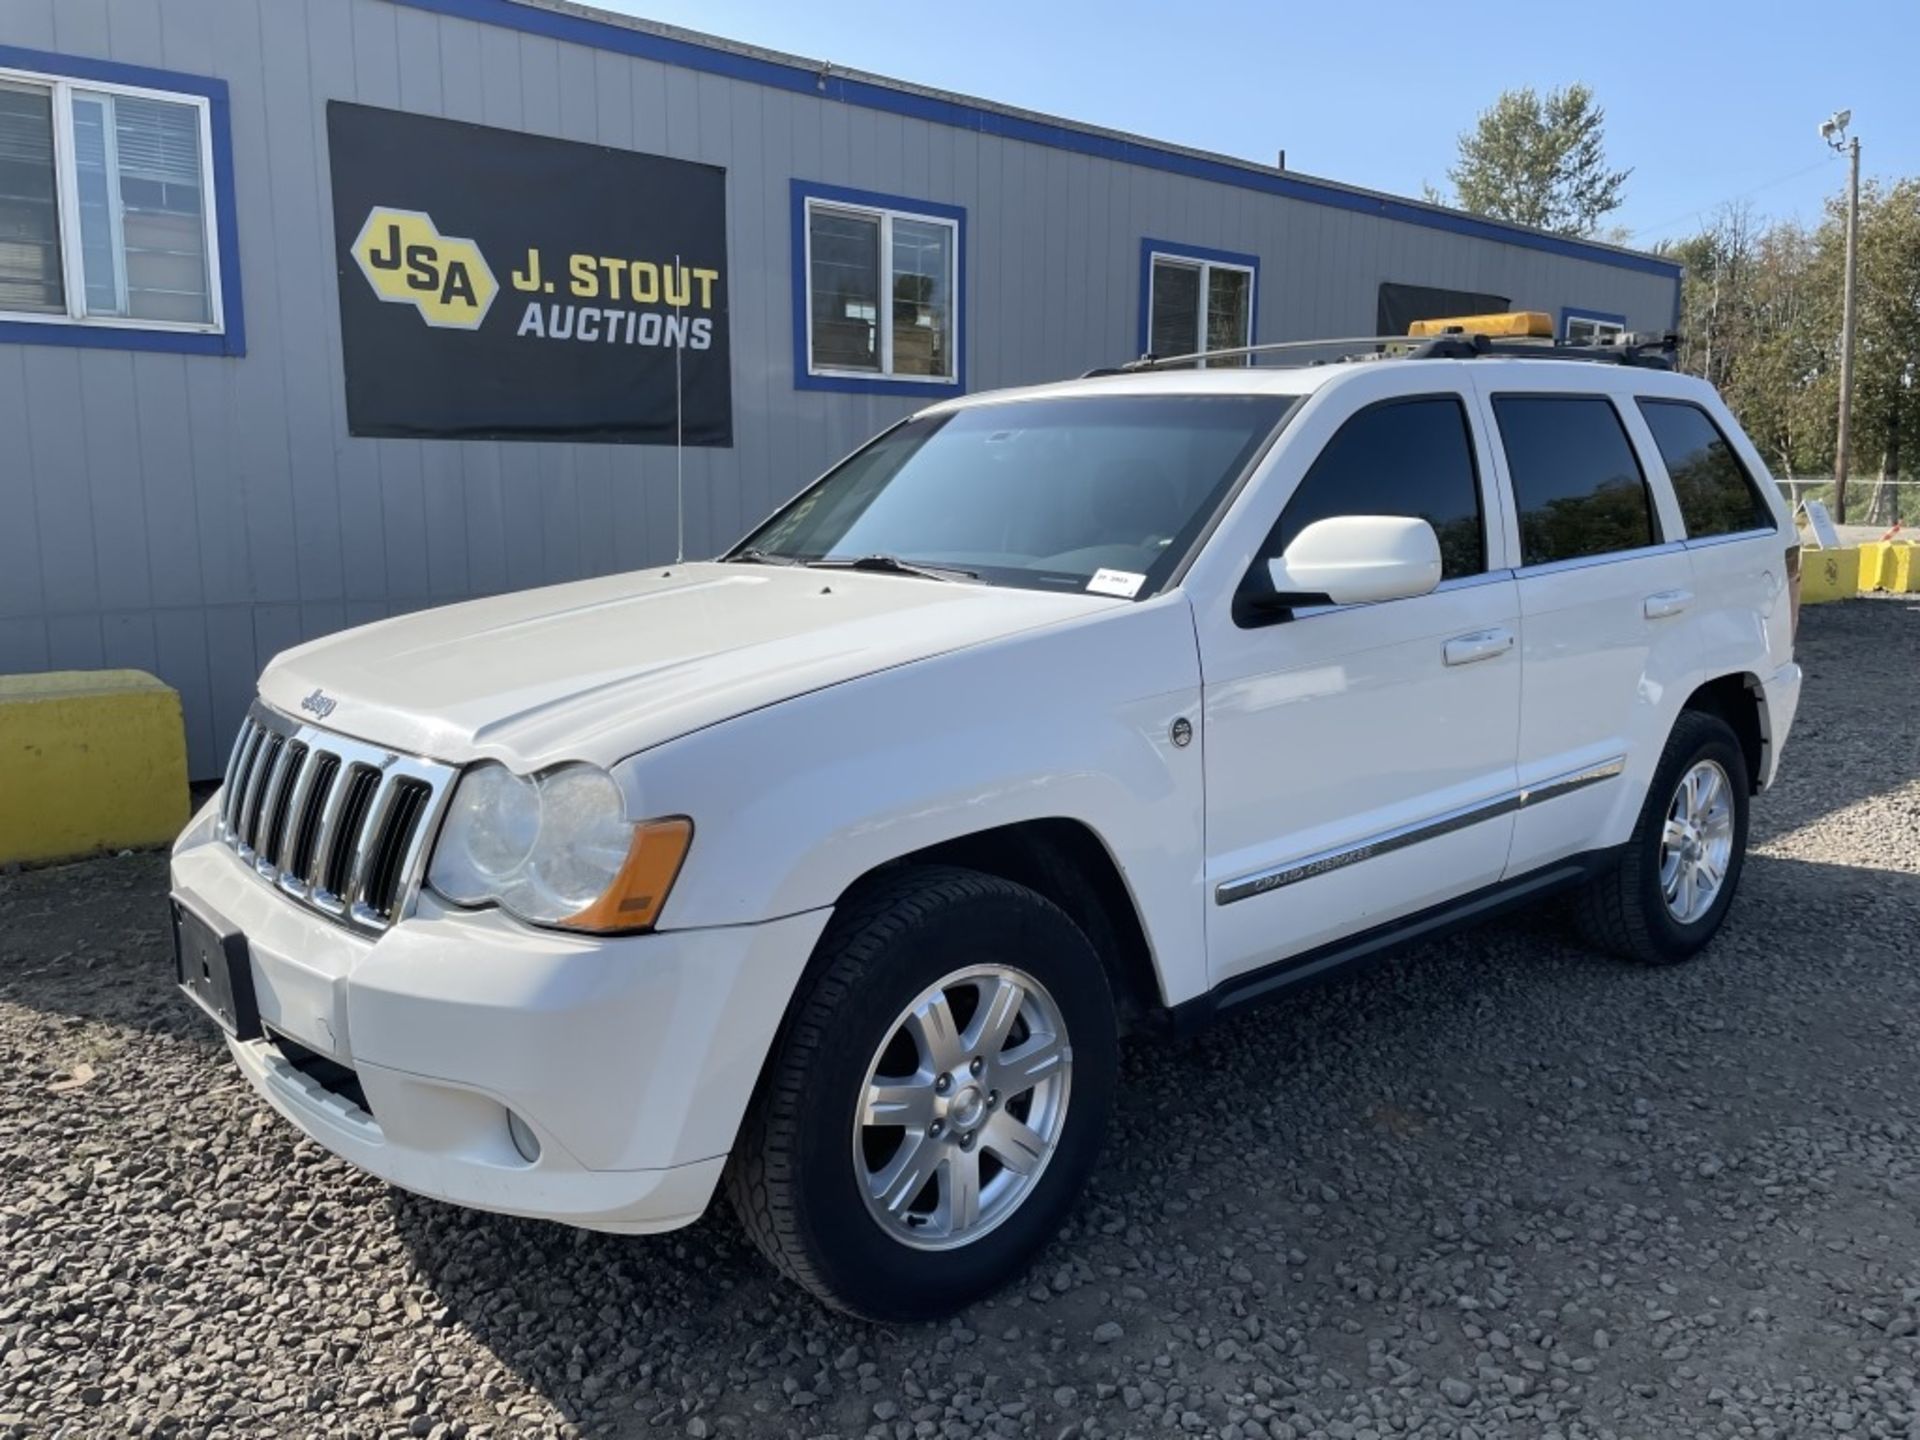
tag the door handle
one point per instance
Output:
(1663, 603)
(1480, 645)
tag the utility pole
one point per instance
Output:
(1834, 132)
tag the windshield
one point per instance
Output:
(1097, 492)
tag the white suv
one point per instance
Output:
(831, 871)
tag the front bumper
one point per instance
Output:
(631, 1060)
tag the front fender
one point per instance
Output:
(793, 803)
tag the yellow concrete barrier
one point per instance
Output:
(1874, 562)
(89, 760)
(1892, 567)
(1900, 571)
(1889, 565)
(1829, 574)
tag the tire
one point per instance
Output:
(1626, 909)
(809, 1176)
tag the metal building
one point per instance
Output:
(284, 348)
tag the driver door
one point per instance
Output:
(1358, 758)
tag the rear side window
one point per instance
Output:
(1577, 482)
(1717, 496)
(1400, 457)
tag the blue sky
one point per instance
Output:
(1706, 102)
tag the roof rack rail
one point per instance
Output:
(1653, 352)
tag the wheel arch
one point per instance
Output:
(1737, 698)
(1065, 861)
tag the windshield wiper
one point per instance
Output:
(751, 556)
(894, 565)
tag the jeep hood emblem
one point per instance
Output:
(319, 704)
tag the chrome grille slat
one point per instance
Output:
(333, 856)
(265, 762)
(251, 737)
(273, 814)
(331, 805)
(390, 820)
(296, 876)
(367, 836)
(231, 787)
(323, 817)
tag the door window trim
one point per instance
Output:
(1754, 488)
(1707, 542)
(1661, 540)
(1486, 574)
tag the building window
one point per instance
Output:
(1193, 299)
(111, 224)
(1591, 327)
(877, 291)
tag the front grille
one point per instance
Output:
(339, 825)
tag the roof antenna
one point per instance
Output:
(679, 452)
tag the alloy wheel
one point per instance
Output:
(963, 1105)
(1696, 844)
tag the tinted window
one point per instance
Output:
(1404, 457)
(1716, 495)
(1575, 476)
(1041, 493)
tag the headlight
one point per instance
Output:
(557, 849)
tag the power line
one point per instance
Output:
(1643, 232)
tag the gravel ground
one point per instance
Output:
(1495, 1186)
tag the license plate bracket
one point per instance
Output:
(213, 967)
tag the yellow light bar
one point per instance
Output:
(1524, 324)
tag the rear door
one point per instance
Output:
(1603, 583)
(1357, 756)
(1733, 537)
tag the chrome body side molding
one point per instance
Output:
(1260, 882)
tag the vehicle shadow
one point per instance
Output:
(1853, 739)
(1478, 1082)
(93, 941)
(1397, 1086)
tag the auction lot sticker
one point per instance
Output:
(501, 286)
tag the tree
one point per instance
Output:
(1538, 160)
(1886, 367)
(1760, 316)
(1751, 314)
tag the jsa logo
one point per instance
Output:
(408, 261)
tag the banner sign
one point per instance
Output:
(501, 286)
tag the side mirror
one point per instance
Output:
(1356, 560)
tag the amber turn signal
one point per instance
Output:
(640, 890)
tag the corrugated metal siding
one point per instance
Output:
(194, 515)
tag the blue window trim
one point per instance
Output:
(824, 84)
(928, 390)
(232, 337)
(1581, 312)
(1150, 247)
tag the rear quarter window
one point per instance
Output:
(1717, 496)
(1577, 483)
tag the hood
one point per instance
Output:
(599, 669)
